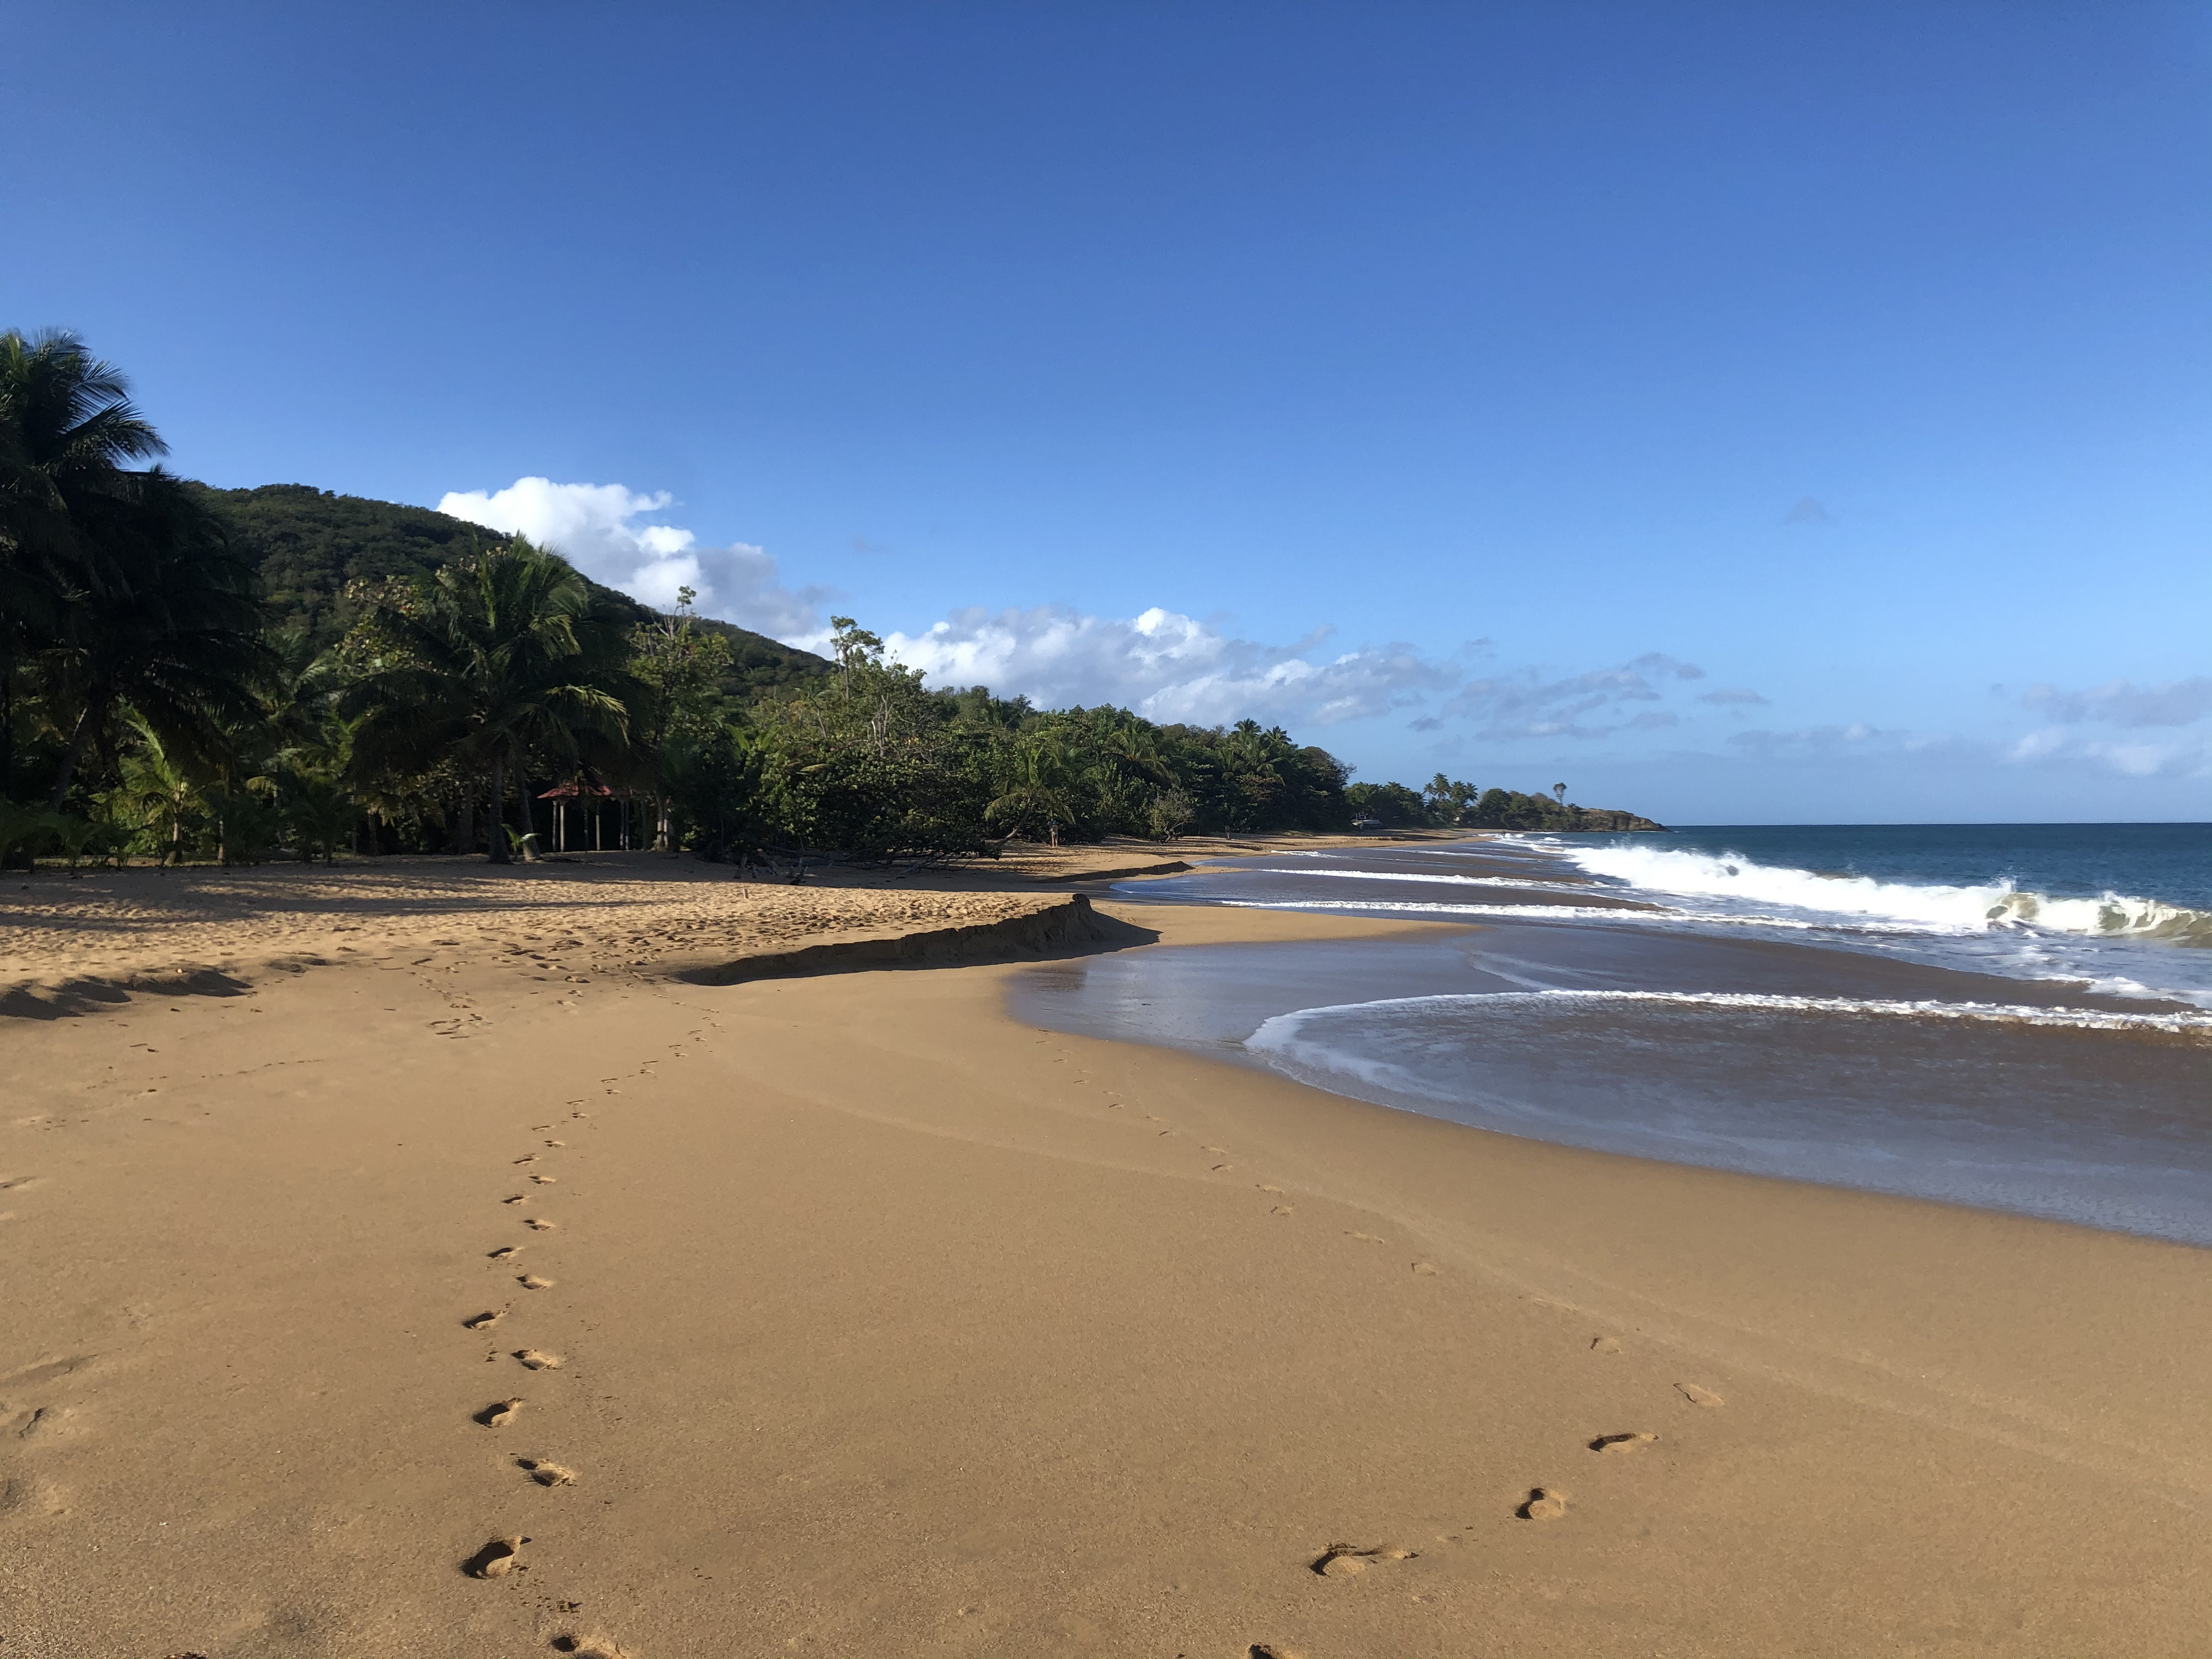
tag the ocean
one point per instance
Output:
(2104, 904)
(2017, 1017)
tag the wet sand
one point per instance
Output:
(886, 1323)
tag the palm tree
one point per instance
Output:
(499, 652)
(67, 429)
(1038, 783)
(173, 638)
(158, 791)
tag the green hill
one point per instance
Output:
(309, 543)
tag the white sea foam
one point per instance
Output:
(1281, 1035)
(1561, 912)
(1930, 907)
(1400, 875)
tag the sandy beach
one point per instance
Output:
(416, 1260)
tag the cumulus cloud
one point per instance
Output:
(1165, 666)
(2118, 703)
(1735, 697)
(597, 528)
(1530, 703)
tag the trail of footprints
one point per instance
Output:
(500, 1557)
(1540, 1503)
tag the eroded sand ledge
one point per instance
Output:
(1047, 924)
(883, 1324)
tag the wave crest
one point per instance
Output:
(1929, 905)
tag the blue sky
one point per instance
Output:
(1742, 412)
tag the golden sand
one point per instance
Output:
(859, 1320)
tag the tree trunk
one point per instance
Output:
(522, 807)
(465, 824)
(497, 819)
(8, 726)
(78, 740)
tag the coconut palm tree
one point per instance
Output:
(498, 653)
(158, 791)
(1037, 784)
(172, 637)
(67, 430)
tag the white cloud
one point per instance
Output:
(594, 527)
(2131, 708)
(1165, 666)
(2119, 702)
(2185, 757)
(1531, 703)
(1825, 740)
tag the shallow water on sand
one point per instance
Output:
(1569, 1020)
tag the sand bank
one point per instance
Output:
(885, 1325)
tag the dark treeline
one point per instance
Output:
(196, 673)
(193, 673)
(1446, 801)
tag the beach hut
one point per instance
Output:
(562, 794)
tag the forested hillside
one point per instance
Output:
(309, 545)
(188, 672)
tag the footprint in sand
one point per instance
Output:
(1604, 1345)
(484, 1321)
(505, 1253)
(1220, 1168)
(591, 1647)
(530, 1158)
(537, 1224)
(1222, 1151)
(556, 1143)
(1622, 1443)
(547, 1181)
(1282, 1209)
(1345, 1560)
(1367, 1238)
(1543, 1503)
(546, 1473)
(495, 1559)
(499, 1414)
(1270, 1651)
(517, 1199)
(1424, 1266)
(532, 1282)
(1265, 1189)
(536, 1361)
(1698, 1397)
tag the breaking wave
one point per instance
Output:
(1997, 905)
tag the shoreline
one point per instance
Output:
(146, 920)
(888, 1321)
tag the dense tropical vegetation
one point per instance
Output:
(187, 672)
